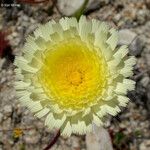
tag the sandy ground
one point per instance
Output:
(130, 130)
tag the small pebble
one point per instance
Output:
(1, 117)
(7, 110)
(145, 81)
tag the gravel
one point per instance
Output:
(7, 110)
(132, 20)
(126, 37)
(1, 117)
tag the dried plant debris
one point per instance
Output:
(5, 48)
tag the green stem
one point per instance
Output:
(80, 11)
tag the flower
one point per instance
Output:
(73, 74)
(17, 132)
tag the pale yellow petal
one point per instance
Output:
(50, 121)
(21, 85)
(129, 83)
(22, 63)
(97, 120)
(95, 25)
(131, 61)
(121, 88)
(113, 39)
(66, 131)
(123, 100)
(42, 113)
(127, 71)
(121, 52)
(84, 28)
(35, 106)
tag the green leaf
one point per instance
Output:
(119, 137)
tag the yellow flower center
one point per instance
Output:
(73, 75)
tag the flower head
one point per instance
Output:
(73, 74)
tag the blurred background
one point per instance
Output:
(19, 129)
